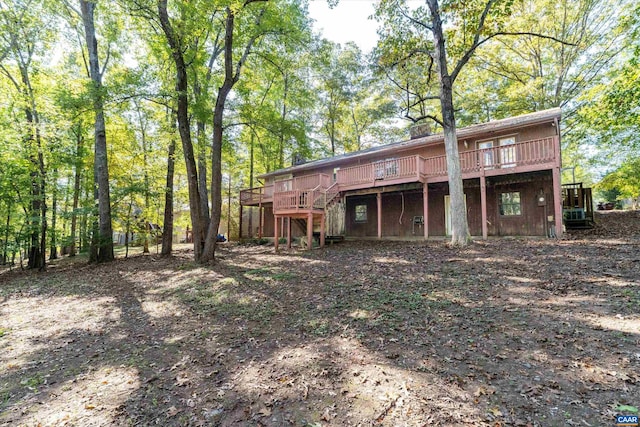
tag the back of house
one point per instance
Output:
(511, 177)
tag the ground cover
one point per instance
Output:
(504, 332)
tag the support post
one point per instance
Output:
(310, 230)
(288, 232)
(322, 230)
(425, 210)
(240, 225)
(275, 231)
(260, 220)
(483, 206)
(379, 201)
(557, 202)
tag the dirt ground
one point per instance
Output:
(506, 332)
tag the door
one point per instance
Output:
(447, 213)
(487, 155)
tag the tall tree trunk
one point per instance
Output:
(38, 211)
(283, 118)
(216, 147)
(145, 166)
(184, 129)
(127, 231)
(459, 225)
(5, 250)
(76, 191)
(167, 230)
(216, 174)
(251, 161)
(202, 170)
(101, 165)
(84, 224)
(38, 214)
(53, 251)
(64, 247)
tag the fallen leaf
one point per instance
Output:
(173, 411)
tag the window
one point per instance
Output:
(510, 204)
(361, 213)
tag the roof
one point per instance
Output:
(538, 117)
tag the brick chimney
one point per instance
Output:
(420, 130)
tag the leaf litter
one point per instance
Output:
(522, 332)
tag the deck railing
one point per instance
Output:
(305, 182)
(388, 169)
(299, 200)
(537, 151)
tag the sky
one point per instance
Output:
(345, 22)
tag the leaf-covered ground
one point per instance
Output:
(504, 332)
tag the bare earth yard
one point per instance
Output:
(519, 332)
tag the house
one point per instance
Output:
(511, 178)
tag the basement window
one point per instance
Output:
(510, 204)
(361, 213)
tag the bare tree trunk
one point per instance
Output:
(216, 172)
(101, 166)
(145, 166)
(84, 225)
(6, 234)
(53, 252)
(167, 230)
(76, 191)
(216, 148)
(127, 231)
(459, 226)
(185, 130)
(202, 171)
(283, 118)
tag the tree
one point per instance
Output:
(104, 239)
(449, 49)
(625, 180)
(23, 37)
(232, 72)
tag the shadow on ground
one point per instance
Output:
(504, 332)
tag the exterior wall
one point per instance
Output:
(397, 222)
(533, 220)
(369, 228)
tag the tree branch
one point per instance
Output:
(412, 19)
(461, 63)
(425, 116)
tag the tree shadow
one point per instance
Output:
(369, 333)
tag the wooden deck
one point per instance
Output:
(312, 193)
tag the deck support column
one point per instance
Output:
(289, 232)
(310, 230)
(322, 229)
(425, 210)
(275, 231)
(483, 206)
(282, 227)
(557, 202)
(260, 220)
(240, 225)
(379, 202)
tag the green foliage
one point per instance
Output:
(624, 182)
